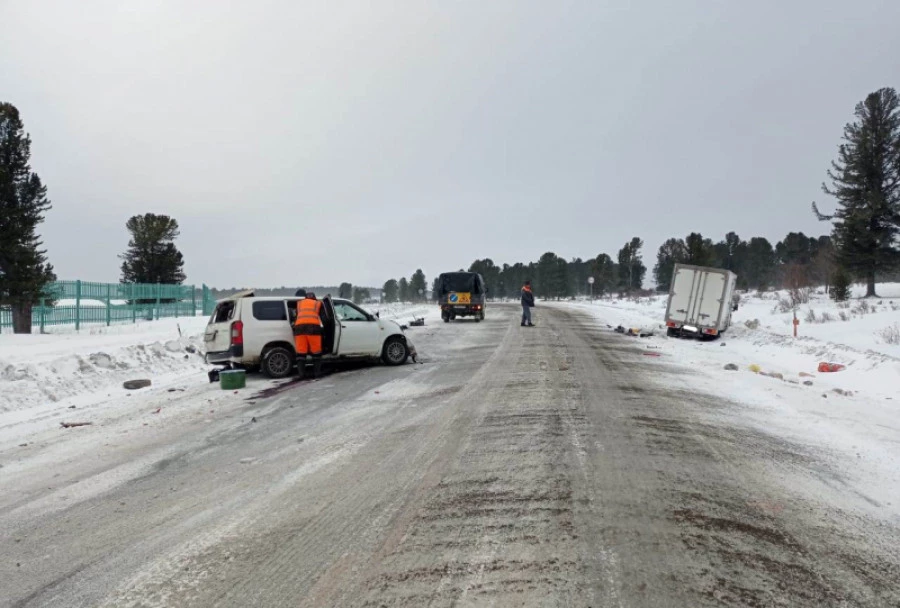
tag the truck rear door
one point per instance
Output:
(709, 300)
(682, 295)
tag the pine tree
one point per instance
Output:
(403, 290)
(865, 180)
(631, 265)
(670, 253)
(561, 279)
(605, 274)
(152, 256)
(796, 248)
(345, 291)
(840, 285)
(578, 272)
(760, 263)
(390, 291)
(24, 270)
(360, 295)
(699, 251)
(548, 271)
(490, 272)
(418, 286)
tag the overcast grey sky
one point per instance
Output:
(306, 143)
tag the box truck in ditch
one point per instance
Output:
(701, 301)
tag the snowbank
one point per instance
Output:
(41, 369)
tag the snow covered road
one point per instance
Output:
(554, 466)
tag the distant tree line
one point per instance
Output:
(415, 289)
(758, 264)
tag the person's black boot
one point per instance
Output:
(317, 368)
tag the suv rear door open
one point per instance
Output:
(217, 337)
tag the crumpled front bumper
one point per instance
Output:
(413, 353)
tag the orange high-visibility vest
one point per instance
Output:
(308, 312)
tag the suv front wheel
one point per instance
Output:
(395, 351)
(278, 362)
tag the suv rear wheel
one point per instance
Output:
(278, 362)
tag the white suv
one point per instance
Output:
(247, 331)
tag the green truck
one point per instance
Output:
(461, 294)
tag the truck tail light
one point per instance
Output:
(710, 332)
(477, 307)
(237, 332)
(671, 324)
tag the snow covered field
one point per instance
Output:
(852, 415)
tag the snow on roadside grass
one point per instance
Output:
(852, 414)
(41, 369)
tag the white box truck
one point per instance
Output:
(700, 302)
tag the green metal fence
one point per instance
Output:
(84, 303)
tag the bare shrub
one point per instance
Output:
(796, 280)
(862, 308)
(844, 316)
(826, 318)
(811, 316)
(784, 305)
(890, 334)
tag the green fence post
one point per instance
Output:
(157, 301)
(133, 309)
(43, 301)
(77, 305)
(193, 300)
(107, 304)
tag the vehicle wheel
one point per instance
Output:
(672, 332)
(481, 316)
(445, 317)
(395, 351)
(278, 362)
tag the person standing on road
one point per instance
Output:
(308, 330)
(527, 304)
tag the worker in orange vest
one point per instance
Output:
(308, 330)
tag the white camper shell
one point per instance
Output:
(700, 301)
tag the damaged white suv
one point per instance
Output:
(246, 331)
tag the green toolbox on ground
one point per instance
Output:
(231, 379)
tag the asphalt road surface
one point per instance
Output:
(547, 466)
